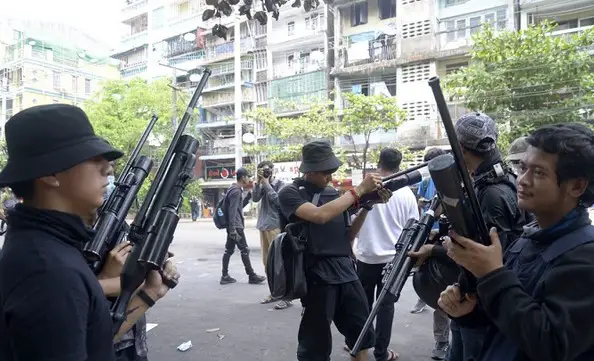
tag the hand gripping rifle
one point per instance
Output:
(112, 214)
(455, 188)
(413, 236)
(152, 230)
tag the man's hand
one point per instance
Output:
(260, 174)
(422, 254)
(115, 261)
(154, 285)
(450, 302)
(475, 257)
(372, 182)
(234, 235)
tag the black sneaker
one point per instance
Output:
(440, 351)
(225, 280)
(256, 279)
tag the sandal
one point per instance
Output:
(393, 356)
(268, 299)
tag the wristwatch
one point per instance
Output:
(145, 298)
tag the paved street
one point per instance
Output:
(248, 330)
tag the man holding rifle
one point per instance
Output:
(496, 191)
(538, 300)
(51, 303)
(334, 292)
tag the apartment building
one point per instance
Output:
(571, 16)
(45, 63)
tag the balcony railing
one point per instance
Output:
(215, 99)
(283, 70)
(372, 53)
(225, 50)
(211, 150)
(132, 6)
(180, 46)
(133, 40)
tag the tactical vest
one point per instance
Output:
(329, 239)
(531, 272)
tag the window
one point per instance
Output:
(56, 79)
(452, 68)
(359, 14)
(74, 84)
(87, 86)
(461, 29)
(475, 24)
(291, 28)
(387, 9)
(587, 22)
(501, 19)
(418, 28)
(158, 18)
(450, 27)
(490, 18)
(567, 24)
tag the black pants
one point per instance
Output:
(346, 305)
(241, 243)
(129, 354)
(371, 280)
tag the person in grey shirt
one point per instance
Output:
(266, 192)
(234, 204)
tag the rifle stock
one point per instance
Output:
(413, 236)
(152, 230)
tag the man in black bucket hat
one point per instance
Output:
(334, 290)
(52, 307)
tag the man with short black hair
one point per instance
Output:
(265, 192)
(51, 305)
(234, 204)
(536, 300)
(376, 247)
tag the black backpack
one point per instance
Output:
(285, 268)
(220, 213)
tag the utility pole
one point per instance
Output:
(238, 94)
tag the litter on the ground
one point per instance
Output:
(213, 330)
(185, 346)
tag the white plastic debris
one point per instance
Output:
(185, 346)
(213, 330)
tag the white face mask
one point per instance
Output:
(111, 179)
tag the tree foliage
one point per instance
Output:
(366, 115)
(527, 79)
(121, 110)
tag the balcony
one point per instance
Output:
(284, 70)
(229, 67)
(295, 94)
(228, 98)
(130, 69)
(368, 53)
(134, 8)
(224, 51)
(299, 39)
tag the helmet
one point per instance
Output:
(432, 278)
(517, 149)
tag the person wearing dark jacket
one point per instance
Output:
(334, 292)
(495, 187)
(234, 204)
(52, 306)
(537, 300)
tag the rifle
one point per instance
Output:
(393, 182)
(455, 189)
(152, 230)
(413, 237)
(112, 214)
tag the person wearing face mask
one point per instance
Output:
(52, 307)
(334, 291)
(516, 153)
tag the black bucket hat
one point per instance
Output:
(317, 156)
(49, 139)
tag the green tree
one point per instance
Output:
(527, 79)
(121, 110)
(366, 115)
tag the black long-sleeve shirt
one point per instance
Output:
(235, 205)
